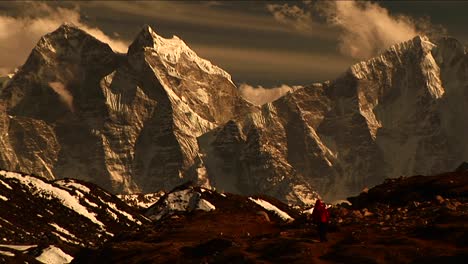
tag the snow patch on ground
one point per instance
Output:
(6, 253)
(205, 205)
(5, 184)
(18, 247)
(54, 255)
(268, 206)
(337, 202)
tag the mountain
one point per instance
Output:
(160, 115)
(401, 113)
(420, 219)
(188, 198)
(128, 122)
(40, 219)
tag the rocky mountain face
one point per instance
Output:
(401, 113)
(160, 115)
(61, 216)
(124, 121)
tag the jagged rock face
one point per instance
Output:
(413, 99)
(270, 149)
(398, 114)
(53, 107)
(126, 122)
(193, 97)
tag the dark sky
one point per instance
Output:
(264, 43)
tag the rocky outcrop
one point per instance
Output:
(396, 216)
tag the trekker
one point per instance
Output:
(321, 217)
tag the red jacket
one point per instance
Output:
(320, 214)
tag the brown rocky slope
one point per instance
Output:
(404, 220)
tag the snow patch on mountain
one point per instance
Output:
(48, 191)
(127, 215)
(73, 185)
(63, 230)
(141, 200)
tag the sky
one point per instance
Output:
(262, 44)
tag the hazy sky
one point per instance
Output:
(267, 43)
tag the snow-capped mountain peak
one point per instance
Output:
(171, 51)
(140, 111)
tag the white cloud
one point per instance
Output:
(19, 35)
(260, 95)
(365, 28)
(65, 96)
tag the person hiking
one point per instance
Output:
(321, 217)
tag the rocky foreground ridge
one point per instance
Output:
(160, 115)
(419, 219)
(49, 221)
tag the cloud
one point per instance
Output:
(18, 35)
(274, 66)
(365, 28)
(65, 96)
(260, 95)
(293, 15)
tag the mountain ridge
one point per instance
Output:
(160, 115)
(67, 214)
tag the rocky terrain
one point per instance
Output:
(159, 115)
(45, 220)
(419, 219)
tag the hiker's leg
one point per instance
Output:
(325, 230)
(321, 231)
